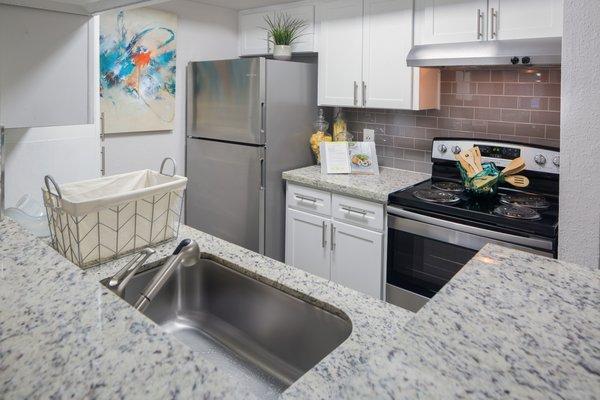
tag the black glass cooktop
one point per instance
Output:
(480, 212)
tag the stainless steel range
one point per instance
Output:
(435, 227)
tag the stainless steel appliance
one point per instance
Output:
(538, 51)
(248, 120)
(434, 227)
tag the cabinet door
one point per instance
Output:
(46, 68)
(450, 21)
(253, 36)
(517, 19)
(305, 43)
(307, 242)
(387, 35)
(356, 258)
(340, 52)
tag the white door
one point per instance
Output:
(450, 21)
(307, 242)
(340, 52)
(517, 19)
(387, 39)
(356, 258)
(305, 42)
(253, 36)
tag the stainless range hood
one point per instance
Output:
(543, 51)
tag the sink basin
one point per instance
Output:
(263, 336)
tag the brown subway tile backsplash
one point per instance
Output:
(521, 105)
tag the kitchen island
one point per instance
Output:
(508, 325)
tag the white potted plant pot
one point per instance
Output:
(282, 52)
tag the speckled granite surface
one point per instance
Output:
(369, 187)
(63, 335)
(509, 325)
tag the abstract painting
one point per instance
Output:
(137, 70)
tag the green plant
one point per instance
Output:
(283, 29)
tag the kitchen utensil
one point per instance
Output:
(470, 157)
(477, 155)
(464, 162)
(514, 167)
(517, 180)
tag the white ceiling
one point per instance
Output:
(242, 4)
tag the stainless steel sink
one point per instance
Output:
(263, 336)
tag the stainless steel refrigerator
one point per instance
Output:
(248, 120)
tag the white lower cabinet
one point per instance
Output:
(307, 242)
(345, 246)
(356, 258)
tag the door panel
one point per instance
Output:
(307, 243)
(224, 195)
(449, 21)
(516, 19)
(340, 53)
(305, 43)
(225, 100)
(387, 78)
(356, 259)
(253, 36)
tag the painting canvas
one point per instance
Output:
(137, 70)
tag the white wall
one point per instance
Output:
(579, 224)
(204, 33)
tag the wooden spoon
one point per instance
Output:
(470, 159)
(514, 167)
(517, 180)
(466, 165)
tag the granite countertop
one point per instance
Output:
(508, 325)
(369, 187)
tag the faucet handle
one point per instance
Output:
(121, 278)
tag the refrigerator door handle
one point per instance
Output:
(261, 208)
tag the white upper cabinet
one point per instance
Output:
(388, 80)
(46, 68)
(306, 42)
(254, 37)
(517, 19)
(450, 21)
(363, 46)
(340, 53)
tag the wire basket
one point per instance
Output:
(90, 224)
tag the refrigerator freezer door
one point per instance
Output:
(225, 192)
(226, 100)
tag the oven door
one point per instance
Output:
(425, 252)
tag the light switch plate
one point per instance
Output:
(368, 135)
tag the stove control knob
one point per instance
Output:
(442, 148)
(456, 149)
(556, 161)
(540, 159)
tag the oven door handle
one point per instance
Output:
(467, 236)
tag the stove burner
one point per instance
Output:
(517, 212)
(448, 186)
(526, 200)
(436, 196)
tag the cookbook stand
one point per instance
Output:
(358, 158)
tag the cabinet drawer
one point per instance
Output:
(358, 212)
(307, 199)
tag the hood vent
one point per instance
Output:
(543, 51)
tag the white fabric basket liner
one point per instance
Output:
(81, 198)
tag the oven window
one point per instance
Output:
(421, 265)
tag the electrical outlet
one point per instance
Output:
(368, 135)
